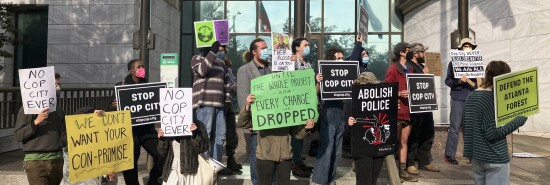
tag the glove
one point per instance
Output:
(215, 47)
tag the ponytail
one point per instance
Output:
(248, 56)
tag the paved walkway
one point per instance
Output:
(523, 170)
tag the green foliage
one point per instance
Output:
(7, 28)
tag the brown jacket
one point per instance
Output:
(273, 144)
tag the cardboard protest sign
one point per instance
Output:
(221, 28)
(99, 145)
(283, 99)
(142, 100)
(421, 93)
(338, 77)
(37, 89)
(374, 106)
(281, 52)
(205, 34)
(176, 113)
(363, 23)
(169, 71)
(516, 94)
(469, 63)
(433, 62)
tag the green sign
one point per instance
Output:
(169, 69)
(205, 34)
(284, 99)
(516, 94)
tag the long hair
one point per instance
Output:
(494, 68)
(248, 55)
(331, 52)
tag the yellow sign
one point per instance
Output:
(99, 145)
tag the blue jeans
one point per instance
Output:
(330, 146)
(216, 130)
(490, 173)
(457, 107)
(252, 157)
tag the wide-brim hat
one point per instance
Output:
(469, 41)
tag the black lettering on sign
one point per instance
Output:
(112, 154)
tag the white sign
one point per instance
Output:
(469, 63)
(281, 52)
(176, 111)
(38, 89)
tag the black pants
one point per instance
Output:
(367, 170)
(231, 138)
(421, 139)
(147, 138)
(267, 170)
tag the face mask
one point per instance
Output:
(221, 55)
(264, 54)
(57, 90)
(140, 73)
(306, 51)
(365, 60)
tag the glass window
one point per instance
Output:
(314, 15)
(378, 15)
(238, 45)
(377, 46)
(242, 16)
(394, 40)
(339, 16)
(343, 42)
(276, 17)
(396, 22)
(187, 18)
(208, 10)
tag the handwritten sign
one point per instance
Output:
(516, 94)
(421, 93)
(374, 106)
(281, 52)
(176, 113)
(284, 99)
(469, 63)
(338, 78)
(433, 62)
(38, 89)
(221, 28)
(142, 100)
(99, 145)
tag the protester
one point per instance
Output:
(484, 143)
(301, 50)
(273, 153)
(460, 89)
(182, 157)
(41, 137)
(144, 135)
(211, 89)
(281, 42)
(256, 66)
(422, 133)
(397, 73)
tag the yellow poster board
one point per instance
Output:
(99, 145)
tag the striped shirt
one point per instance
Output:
(483, 141)
(211, 86)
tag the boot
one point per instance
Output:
(233, 165)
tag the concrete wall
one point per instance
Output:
(515, 31)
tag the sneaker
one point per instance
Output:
(306, 167)
(298, 171)
(430, 167)
(406, 176)
(451, 160)
(412, 170)
(233, 165)
(225, 172)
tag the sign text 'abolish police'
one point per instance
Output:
(421, 93)
(516, 94)
(142, 100)
(283, 99)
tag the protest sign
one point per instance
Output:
(283, 99)
(469, 63)
(338, 77)
(176, 113)
(222, 31)
(433, 62)
(37, 89)
(363, 23)
(142, 100)
(374, 106)
(99, 145)
(281, 52)
(516, 94)
(169, 69)
(205, 34)
(421, 93)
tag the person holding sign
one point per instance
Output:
(144, 135)
(397, 73)
(460, 89)
(484, 143)
(182, 157)
(360, 54)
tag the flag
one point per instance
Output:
(263, 20)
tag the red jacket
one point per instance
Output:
(395, 74)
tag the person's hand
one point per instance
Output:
(111, 176)
(160, 133)
(193, 127)
(215, 47)
(398, 104)
(99, 113)
(292, 57)
(404, 93)
(114, 103)
(310, 123)
(426, 70)
(463, 79)
(319, 77)
(43, 115)
(359, 38)
(249, 100)
(351, 121)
